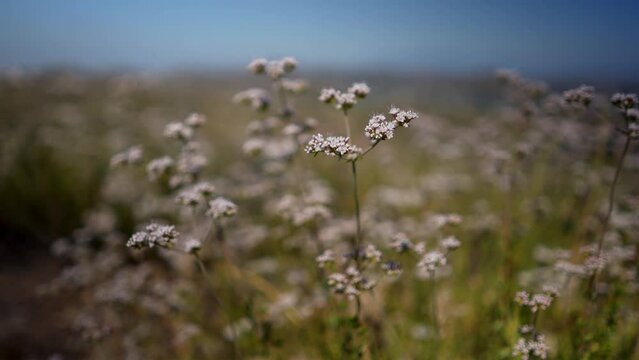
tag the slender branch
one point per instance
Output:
(358, 235)
(611, 200)
(347, 123)
(611, 197)
(433, 306)
(369, 149)
(281, 94)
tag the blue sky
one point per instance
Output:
(582, 38)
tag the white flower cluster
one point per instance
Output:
(624, 101)
(159, 167)
(332, 146)
(154, 235)
(327, 257)
(536, 302)
(221, 208)
(527, 348)
(379, 128)
(196, 194)
(195, 120)
(402, 117)
(192, 246)
(184, 130)
(433, 260)
(581, 95)
(257, 98)
(360, 90)
(344, 100)
(350, 283)
(275, 69)
(401, 243)
(178, 130)
(130, 156)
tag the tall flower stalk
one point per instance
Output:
(626, 103)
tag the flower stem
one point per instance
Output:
(347, 124)
(284, 109)
(611, 201)
(358, 234)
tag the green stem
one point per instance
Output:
(358, 234)
(347, 124)
(611, 200)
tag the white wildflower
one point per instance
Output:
(195, 120)
(379, 129)
(257, 66)
(327, 257)
(130, 156)
(221, 207)
(177, 130)
(154, 235)
(192, 246)
(360, 90)
(159, 167)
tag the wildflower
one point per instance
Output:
(550, 291)
(450, 243)
(581, 95)
(195, 120)
(632, 114)
(253, 146)
(327, 257)
(345, 101)
(539, 302)
(536, 347)
(154, 235)
(192, 246)
(220, 208)
(624, 101)
(535, 302)
(371, 254)
(275, 69)
(402, 117)
(595, 263)
(204, 188)
(379, 129)
(441, 220)
(633, 130)
(177, 130)
(130, 156)
(257, 66)
(257, 98)
(420, 248)
(332, 146)
(289, 64)
(432, 260)
(392, 268)
(522, 298)
(189, 198)
(360, 90)
(401, 243)
(328, 95)
(337, 282)
(159, 167)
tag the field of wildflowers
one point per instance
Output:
(262, 216)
